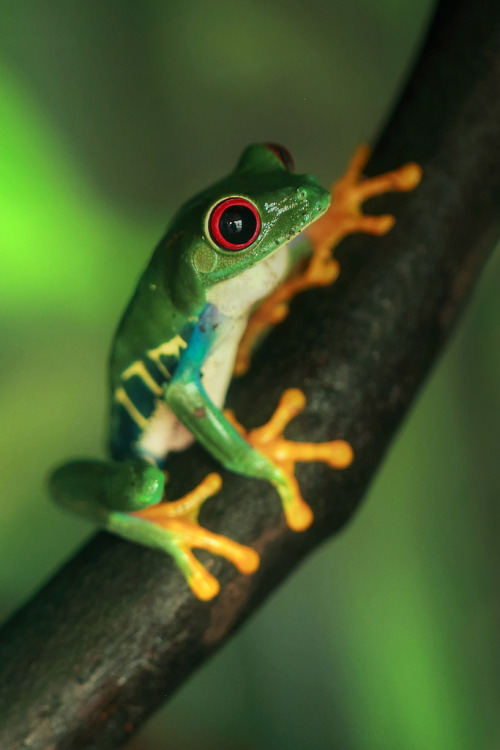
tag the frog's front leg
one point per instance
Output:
(262, 453)
(343, 217)
(127, 498)
(269, 441)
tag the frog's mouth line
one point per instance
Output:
(291, 235)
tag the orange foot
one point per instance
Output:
(343, 217)
(179, 519)
(269, 441)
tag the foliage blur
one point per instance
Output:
(111, 115)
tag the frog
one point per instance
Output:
(222, 275)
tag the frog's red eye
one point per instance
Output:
(234, 224)
(283, 155)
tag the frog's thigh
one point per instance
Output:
(93, 488)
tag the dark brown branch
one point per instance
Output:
(117, 627)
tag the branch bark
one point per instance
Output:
(117, 630)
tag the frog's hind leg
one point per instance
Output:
(179, 519)
(127, 499)
(343, 217)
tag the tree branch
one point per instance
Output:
(116, 630)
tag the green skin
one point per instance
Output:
(170, 301)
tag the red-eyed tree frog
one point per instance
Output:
(221, 275)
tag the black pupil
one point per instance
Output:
(237, 224)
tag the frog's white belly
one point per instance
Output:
(235, 299)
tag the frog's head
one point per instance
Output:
(249, 214)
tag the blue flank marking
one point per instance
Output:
(140, 395)
(125, 433)
(154, 371)
(202, 338)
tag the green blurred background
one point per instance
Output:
(111, 114)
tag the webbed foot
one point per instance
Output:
(344, 216)
(177, 523)
(269, 441)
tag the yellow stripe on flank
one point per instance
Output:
(139, 368)
(136, 415)
(168, 349)
(163, 369)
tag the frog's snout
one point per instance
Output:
(312, 198)
(310, 191)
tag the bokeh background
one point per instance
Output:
(111, 114)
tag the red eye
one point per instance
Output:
(283, 155)
(234, 224)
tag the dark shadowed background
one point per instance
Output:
(113, 114)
